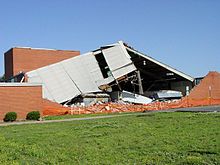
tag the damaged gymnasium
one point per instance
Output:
(113, 73)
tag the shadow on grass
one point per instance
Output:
(203, 152)
(146, 115)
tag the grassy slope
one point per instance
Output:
(161, 138)
(83, 115)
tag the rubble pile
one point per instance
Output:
(101, 108)
(123, 107)
(107, 108)
(206, 93)
(53, 109)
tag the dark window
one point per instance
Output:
(103, 65)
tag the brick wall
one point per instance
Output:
(20, 99)
(208, 87)
(27, 59)
(8, 64)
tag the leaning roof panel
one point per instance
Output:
(82, 73)
(118, 61)
(59, 86)
(67, 79)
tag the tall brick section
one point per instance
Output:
(207, 92)
(20, 98)
(26, 59)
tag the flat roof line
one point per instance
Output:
(19, 84)
(23, 47)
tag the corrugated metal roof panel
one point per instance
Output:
(124, 70)
(67, 79)
(118, 61)
(92, 67)
(135, 98)
(33, 77)
(115, 57)
(80, 73)
(58, 83)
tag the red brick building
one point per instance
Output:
(25, 97)
(19, 60)
(20, 98)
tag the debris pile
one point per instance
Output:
(206, 93)
(50, 109)
(53, 109)
(108, 108)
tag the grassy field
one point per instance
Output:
(159, 138)
(84, 115)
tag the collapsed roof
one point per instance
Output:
(116, 66)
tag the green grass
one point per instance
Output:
(83, 115)
(159, 138)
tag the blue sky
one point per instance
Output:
(182, 33)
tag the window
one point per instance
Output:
(103, 65)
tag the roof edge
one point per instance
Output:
(19, 84)
(44, 49)
(190, 78)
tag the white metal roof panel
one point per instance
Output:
(33, 77)
(124, 70)
(65, 80)
(92, 67)
(80, 73)
(135, 98)
(115, 57)
(57, 86)
(58, 83)
(118, 61)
